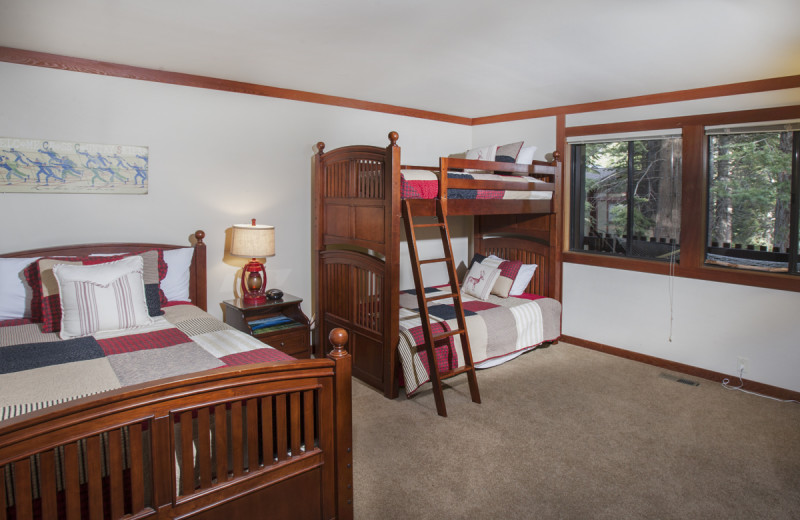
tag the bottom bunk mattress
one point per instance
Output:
(38, 369)
(499, 329)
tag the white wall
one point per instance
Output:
(216, 159)
(712, 323)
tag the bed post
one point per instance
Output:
(556, 229)
(200, 296)
(391, 385)
(343, 434)
(317, 341)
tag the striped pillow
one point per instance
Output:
(102, 297)
(45, 303)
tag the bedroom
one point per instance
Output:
(219, 158)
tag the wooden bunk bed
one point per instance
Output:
(225, 443)
(357, 234)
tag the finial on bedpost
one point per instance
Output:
(339, 339)
(199, 235)
(393, 137)
(320, 147)
(557, 156)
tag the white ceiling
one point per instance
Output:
(468, 58)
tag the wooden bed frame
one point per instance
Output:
(357, 234)
(132, 443)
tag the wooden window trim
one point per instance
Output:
(694, 184)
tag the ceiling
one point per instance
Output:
(468, 58)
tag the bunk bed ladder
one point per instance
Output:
(455, 293)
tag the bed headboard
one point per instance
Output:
(197, 276)
(525, 251)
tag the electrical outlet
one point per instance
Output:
(742, 365)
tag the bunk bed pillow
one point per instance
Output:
(479, 281)
(507, 153)
(525, 156)
(487, 153)
(508, 274)
(523, 278)
(101, 297)
(15, 296)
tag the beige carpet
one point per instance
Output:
(566, 432)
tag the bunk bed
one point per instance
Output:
(359, 192)
(245, 436)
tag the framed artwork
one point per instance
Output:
(40, 166)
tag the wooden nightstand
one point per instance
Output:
(265, 323)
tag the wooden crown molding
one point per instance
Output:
(731, 89)
(56, 61)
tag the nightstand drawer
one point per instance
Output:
(295, 342)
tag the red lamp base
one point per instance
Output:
(253, 285)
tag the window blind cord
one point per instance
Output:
(671, 277)
(726, 384)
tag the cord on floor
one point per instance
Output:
(727, 386)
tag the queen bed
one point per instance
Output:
(157, 409)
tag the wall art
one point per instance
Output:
(41, 166)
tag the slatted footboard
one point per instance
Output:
(238, 440)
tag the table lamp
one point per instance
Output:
(253, 241)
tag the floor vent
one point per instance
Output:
(677, 379)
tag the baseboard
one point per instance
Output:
(752, 386)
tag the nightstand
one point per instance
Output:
(279, 323)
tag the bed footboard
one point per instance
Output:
(222, 444)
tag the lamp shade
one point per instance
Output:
(253, 241)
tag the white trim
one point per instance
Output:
(628, 136)
(745, 128)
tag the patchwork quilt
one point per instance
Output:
(39, 369)
(498, 329)
(422, 184)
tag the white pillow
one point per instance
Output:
(525, 155)
(487, 153)
(479, 280)
(102, 297)
(524, 276)
(176, 284)
(15, 295)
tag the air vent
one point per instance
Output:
(677, 379)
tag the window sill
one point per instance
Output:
(779, 281)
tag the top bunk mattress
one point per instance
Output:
(424, 184)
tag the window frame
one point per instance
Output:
(694, 199)
(578, 194)
(792, 267)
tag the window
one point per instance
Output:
(626, 197)
(752, 214)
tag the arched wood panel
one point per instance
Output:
(353, 292)
(527, 252)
